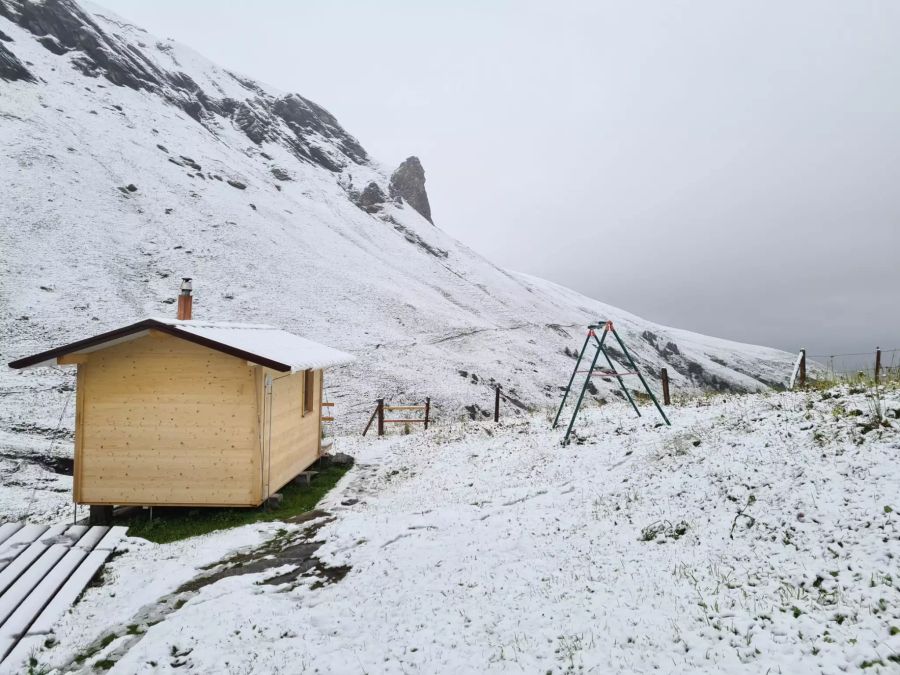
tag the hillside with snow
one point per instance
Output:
(130, 161)
(758, 534)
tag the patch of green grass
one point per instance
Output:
(175, 523)
(35, 667)
(96, 648)
(107, 640)
(104, 664)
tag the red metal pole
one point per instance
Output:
(665, 386)
(803, 367)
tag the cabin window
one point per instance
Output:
(308, 381)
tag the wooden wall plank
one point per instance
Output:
(166, 421)
(294, 434)
(8, 529)
(85, 550)
(18, 559)
(20, 540)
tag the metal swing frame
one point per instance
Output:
(607, 328)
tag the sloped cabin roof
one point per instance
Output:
(263, 345)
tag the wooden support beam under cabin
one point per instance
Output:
(101, 515)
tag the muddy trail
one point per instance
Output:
(58, 438)
(52, 463)
(295, 548)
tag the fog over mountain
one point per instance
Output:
(739, 158)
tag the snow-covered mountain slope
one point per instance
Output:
(130, 161)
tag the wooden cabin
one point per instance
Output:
(191, 413)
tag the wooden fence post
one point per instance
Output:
(665, 386)
(803, 367)
(381, 417)
(877, 362)
(497, 403)
(427, 410)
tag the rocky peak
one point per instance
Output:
(305, 129)
(408, 182)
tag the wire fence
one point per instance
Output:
(857, 367)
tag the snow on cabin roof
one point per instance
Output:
(264, 345)
(268, 341)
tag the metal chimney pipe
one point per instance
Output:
(185, 300)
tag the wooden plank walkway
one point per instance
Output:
(43, 569)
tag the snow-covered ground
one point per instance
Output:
(758, 534)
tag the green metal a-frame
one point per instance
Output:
(607, 327)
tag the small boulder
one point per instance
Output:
(341, 459)
(280, 174)
(372, 198)
(191, 163)
(237, 184)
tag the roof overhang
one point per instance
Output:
(135, 331)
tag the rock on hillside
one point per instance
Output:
(408, 183)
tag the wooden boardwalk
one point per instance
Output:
(43, 569)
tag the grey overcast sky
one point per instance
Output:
(728, 167)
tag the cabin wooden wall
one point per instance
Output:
(294, 440)
(163, 421)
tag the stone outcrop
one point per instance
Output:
(11, 68)
(408, 183)
(371, 199)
